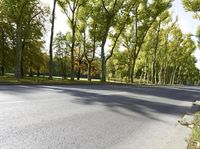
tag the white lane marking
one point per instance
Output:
(12, 102)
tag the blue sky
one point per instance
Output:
(187, 23)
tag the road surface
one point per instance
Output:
(93, 117)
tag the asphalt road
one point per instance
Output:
(92, 117)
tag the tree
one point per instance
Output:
(51, 42)
(144, 16)
(23, 15)
(113, 18)
(158, 24)
(88, 35)
(2, 44)
(71, 9)
(34, 58)
(61, 46)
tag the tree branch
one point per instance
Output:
(104, 6)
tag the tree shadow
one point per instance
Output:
(182, 93)
(111, 97)
(113, 102)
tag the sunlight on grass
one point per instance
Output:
(194, 142)
(10, 79)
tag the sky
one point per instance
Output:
(186, 22)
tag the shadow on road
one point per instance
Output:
(91, 95)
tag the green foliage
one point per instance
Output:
(123, 39)
(195, 137)
(192, 5)
(22, 27)
(198, 36)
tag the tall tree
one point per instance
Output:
(109, 22)
(145, 14)
(51, 42)
(22, 14)
(89, 33)
(61, 46)
(71, 9)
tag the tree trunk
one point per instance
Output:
(141, 77)
(129, 70)
(153, 72)
(79, 70)
(3, 56)
(18, 50)
(179, 75)
(51, 43)
(89, 72)
(136, 44)
(129, 73)
(133, 70)
(173, 75)
(89, 61)
(72, 54)
(22, 62)
(64, 68)
(148, 76)
(103, 79)
(2, 70)
(154, 79)
(160, 76)
(103, 63)
(145, 71)
(155, 75)
(31, 72)
(38, 72)
(22, 66)
(165, 73)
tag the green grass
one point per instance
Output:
(10, 79)
(194, 142)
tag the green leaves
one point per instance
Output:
(193, 6)
(198, 36)
(23, 24)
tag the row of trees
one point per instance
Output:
(123, 32)
(101, 21)
(124, 39)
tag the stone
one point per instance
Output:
(187, 120)
(196, 103)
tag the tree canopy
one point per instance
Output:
(110, 40)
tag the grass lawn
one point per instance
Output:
(194, 142)
(10, 79)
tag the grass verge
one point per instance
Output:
(194, 142)
(9, 79)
